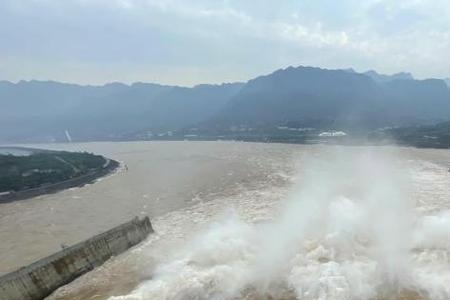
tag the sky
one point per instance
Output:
(187, 42)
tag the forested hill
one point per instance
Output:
(339, 99)
(34, 111)
(18, 173)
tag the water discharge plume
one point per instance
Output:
(348, 230)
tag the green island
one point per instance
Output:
(44, 171)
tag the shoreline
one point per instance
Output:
(271, 139)
(78, 181)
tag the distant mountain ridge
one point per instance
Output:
(447, 81)
(42, 111)
(306, 96)
(385, 78)
(336, 98)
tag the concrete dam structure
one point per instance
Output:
(41, 278)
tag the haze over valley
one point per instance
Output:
(295, 97)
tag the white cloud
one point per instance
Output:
(220, 39)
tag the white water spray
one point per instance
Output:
(349, 230)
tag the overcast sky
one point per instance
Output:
(210, 41)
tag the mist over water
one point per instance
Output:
(349, 228)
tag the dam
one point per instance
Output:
(40, 279)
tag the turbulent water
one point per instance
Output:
(259, 221)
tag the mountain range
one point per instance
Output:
(303, 97)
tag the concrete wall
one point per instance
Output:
(40, 279)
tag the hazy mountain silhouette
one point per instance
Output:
(385, 78)
(447, 81)
(307, 96)
(344, 99)
(42, 111)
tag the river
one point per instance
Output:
(251, 221)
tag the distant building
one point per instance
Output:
(332, 133)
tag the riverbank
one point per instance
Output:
(333, 141)
(109, 167)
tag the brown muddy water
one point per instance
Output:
(251, 221)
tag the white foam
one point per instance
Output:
(349, 230)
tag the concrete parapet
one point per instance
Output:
(41, 278)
